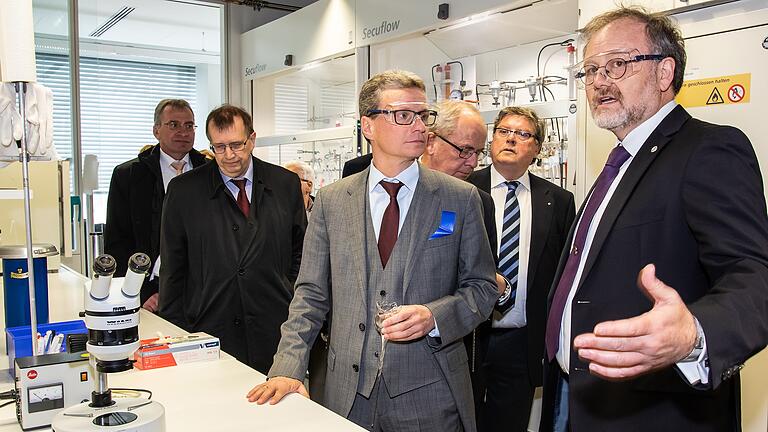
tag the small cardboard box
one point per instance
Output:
(155, 353)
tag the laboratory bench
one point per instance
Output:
(204, 396)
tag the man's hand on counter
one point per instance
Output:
(152, 303)
(275, 390)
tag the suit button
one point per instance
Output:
(237, 322)
(361, 326)
(235, 227)
(376, 354)
(382, 293)
(241, 271)
(355, 368)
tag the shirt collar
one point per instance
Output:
(639, 135)
(166, 160)
(248, 175)
(497, 180)
(408, 177)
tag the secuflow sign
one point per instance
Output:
(731, 89)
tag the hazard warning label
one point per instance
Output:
(732, 89)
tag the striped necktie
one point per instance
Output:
(509, 257)
(178, 166)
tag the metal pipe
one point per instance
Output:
(77, 158)
(21, 90)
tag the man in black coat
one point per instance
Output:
(231, 242)
(137, 189)
(662, 294)
(544, 213)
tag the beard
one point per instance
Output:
(623, 115)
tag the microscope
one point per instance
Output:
(112, 318)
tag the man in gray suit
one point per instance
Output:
(401, 233)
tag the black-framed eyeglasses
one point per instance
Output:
(307, 181)
(521, 134)
(405, 117)
(175, 126)
(615, 68)
(464, 152)
(234, 146)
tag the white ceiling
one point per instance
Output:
(169, 24)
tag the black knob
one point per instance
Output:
(355, 368)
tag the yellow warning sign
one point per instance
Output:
(732, 89)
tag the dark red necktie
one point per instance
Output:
(389, 223)
(242, 197)
(616, 159)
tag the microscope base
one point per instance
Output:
(125, 415)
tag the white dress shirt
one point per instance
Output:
(694, 371)
(379, 198)
(515, 316)
(168, 171)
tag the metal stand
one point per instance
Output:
(21, 91)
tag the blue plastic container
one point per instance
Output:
(16, 288)
(18, 339)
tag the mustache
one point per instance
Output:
(611, 92)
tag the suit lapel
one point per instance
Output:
(354, 210)
(652, 147)
(541, 218)
(423, 217)
(258, 192)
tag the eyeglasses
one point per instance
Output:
(407, 117)
(521, 134)
(175, 126)
(222, 148)
(615, 68)
(464, 152)
(308, 182)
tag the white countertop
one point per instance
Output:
(205, 396)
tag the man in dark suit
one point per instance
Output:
(356, 165)
(231, 242)
(662, 294)
(532, 218)
(455, 143)
(395, 232)
(137, 189)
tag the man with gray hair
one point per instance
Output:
(400, 250)
(307, 176)
(137, 189)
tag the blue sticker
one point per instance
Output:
(447, 222)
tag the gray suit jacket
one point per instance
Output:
(452, 275)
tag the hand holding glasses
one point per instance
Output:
(384, 310)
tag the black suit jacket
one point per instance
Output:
(356, 165)
(228, 275)
(692, 203)
(134, 208)
(552, 213)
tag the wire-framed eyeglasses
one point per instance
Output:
(176, 126)
(521, 134)
(464, 152)
(615, 68)
(406, 117)
(234, 146)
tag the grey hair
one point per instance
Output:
(663, 35)
(306, 171)
(178, 104)
(448, 114)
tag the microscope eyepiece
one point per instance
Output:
(139, 263)
(104, 265)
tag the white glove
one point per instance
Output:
(33, 120)
(10, 119)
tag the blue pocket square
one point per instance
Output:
(447, 222)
